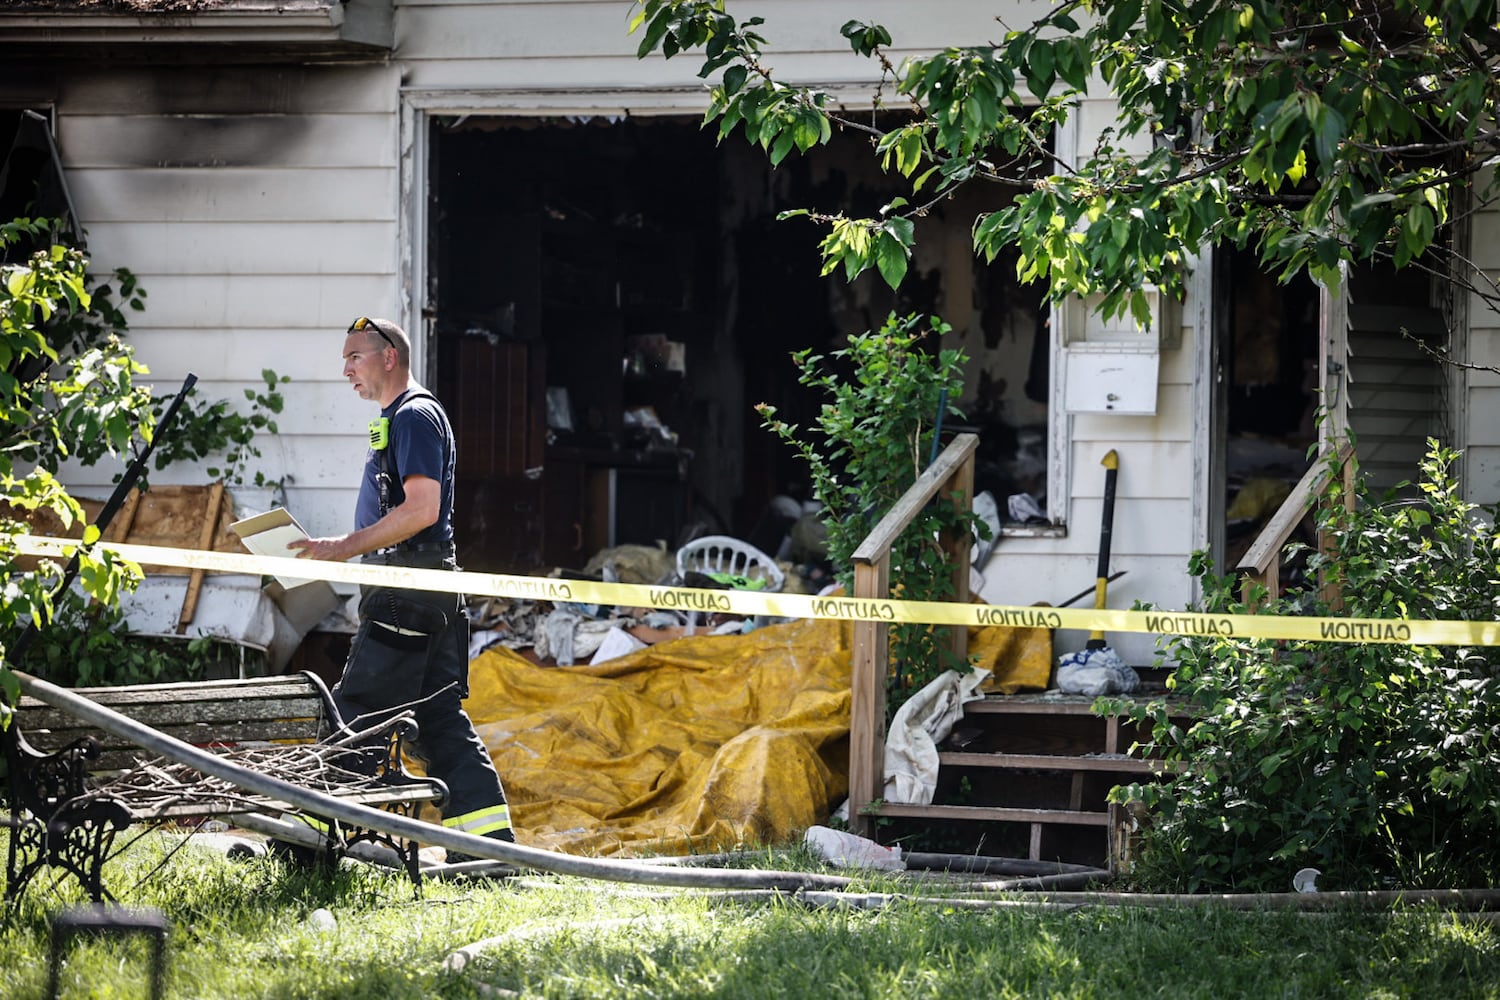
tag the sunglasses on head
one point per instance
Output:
(366, 323)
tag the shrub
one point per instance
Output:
(89, 645)
(874, 437)
(1377, 764)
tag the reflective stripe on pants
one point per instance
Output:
(481, 822)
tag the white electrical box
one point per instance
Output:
(1104, 379)
(1111, 365)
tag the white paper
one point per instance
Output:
(269, 534)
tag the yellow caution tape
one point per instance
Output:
(753, 602)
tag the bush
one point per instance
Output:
(1377, 764)
(90, 645)
(885, 399)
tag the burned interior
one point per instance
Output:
(1279, 378)
(612, 296)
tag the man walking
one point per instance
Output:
(412, 646)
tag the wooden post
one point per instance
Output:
(872, 644)
(960, 548)
(1329, 591)
(952, 472)
(205, 542)
(119, 528)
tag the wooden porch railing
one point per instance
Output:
(1261, 563)
(952, 473)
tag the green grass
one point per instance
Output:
(240, 930)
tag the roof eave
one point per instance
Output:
(359, 25)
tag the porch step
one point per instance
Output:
(1113, 762)
(1033, 773)
(1066, 817)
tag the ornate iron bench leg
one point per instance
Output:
(52, 822)
(27, 854)
(79, 838)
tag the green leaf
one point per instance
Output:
(891, 258)
(1040, 69)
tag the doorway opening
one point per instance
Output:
(1270, 384)
(611, 296)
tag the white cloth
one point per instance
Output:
(911, 754)
(848, 850)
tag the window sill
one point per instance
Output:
(1033, 531)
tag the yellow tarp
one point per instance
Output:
(704, 743)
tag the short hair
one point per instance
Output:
(384, 329)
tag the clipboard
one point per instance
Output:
(268, 534)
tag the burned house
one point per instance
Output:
(600, 292)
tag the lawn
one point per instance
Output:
(241, 930)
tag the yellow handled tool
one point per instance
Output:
(1111, 463)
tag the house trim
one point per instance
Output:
(297, 27)
(1206, 507)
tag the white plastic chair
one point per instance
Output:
(723, 554)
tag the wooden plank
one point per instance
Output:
(327, 462)
(220, 732)
(189, 712)
(233, 687)
(291, 302)
(1172, 423)
(1143, 526)
(119, 528)
(236, 354)
(563, 31)
(1160, 470)
(1057, 817)
(1268, 544)
(210, 527)
(1049, 704)
(871, 660)
(959, 490)
(395, 795)
(926, 487)
(315, 404)
(1117, 763)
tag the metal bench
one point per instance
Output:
(74, 787)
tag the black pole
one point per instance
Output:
(109, 510)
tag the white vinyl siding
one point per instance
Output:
(258, 208)
(1480, 407)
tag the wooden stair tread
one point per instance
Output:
(1044, 704)
(1056, 762)
(1062, 817)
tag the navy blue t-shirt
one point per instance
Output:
(421, 444)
